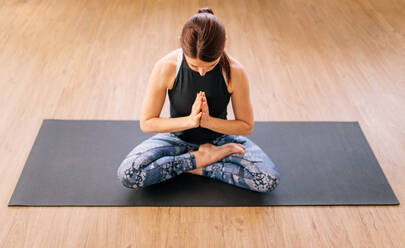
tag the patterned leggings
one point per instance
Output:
(164, 156)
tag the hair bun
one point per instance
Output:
(205, 10)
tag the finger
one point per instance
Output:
(196, 107)
(200, 98)
(195, 103)
(241, 146)
(199, 105)
(205, 106)
(197, 99)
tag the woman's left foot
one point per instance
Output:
(197, 171)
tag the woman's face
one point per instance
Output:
(201, 66)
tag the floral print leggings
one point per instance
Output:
(164, 156)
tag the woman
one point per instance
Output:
(200, 79)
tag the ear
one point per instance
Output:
(179, 38)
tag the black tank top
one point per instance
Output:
(184, 91)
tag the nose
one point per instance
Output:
(202, 72)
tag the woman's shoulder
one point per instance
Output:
(167, 66)
(235, 65)
(171, 57)
(237, 72)
(169, 61)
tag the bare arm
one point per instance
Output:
(232, 127)
(242, 108)
(153, 102)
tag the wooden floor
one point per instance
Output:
(306, 61)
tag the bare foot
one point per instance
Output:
(197, 171)
(209, 153)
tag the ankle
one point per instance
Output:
(200, 159)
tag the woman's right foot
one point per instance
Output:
(209, 153)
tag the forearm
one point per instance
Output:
(232, 127)
(166, 125)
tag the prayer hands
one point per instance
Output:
(199, 112)
(205, 112)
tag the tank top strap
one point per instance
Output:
(224, 75)
(179, 60)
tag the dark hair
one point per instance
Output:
(203, 37)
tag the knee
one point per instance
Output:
(266, 181)
(131, 177)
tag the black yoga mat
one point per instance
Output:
(74, 163)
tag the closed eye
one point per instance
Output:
(212, 66)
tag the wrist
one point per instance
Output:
(189, 122)
(207, 122)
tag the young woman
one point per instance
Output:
(200, 78)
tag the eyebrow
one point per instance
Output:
(208, 66)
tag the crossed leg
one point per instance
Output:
(253, 170)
